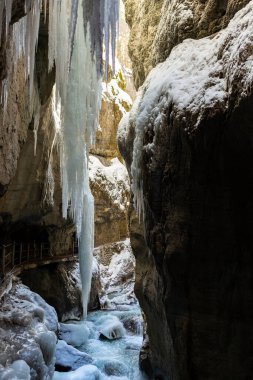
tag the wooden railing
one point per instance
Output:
(15, 256)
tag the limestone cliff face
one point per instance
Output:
(192, 123)
(158, 25)
(108, 176)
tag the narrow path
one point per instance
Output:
(16, 257)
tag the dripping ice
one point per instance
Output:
(75, 47)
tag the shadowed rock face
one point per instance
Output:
(195, 288)
(200, 237)
(159, 25)
(60, 285)
(194, 269)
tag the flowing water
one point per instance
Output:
(114, 340)
(119, 357)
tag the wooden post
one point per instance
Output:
(28, 252)
(41, 247)
(13, 253)
(20, 254)
(3, 259)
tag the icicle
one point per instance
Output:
(19, 35)
(8, 9)
(111, 30)
(4, 94)
(33, 23)
(36, 112)
(59, 43)
(1, 19)
(56, 119)
(45, 11)
(72, 26)
(93, 13)
(86, 245)
(25, 38)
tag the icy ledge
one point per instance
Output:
(27, 335)
(200, 78)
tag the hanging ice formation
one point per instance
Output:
(24, 37)
(77, 31)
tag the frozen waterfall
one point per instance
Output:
(76, 33)
(78, 29)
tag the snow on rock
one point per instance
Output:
(18, 370)
(74, 334)
(113, 93)
(38, 306)
(69, 357)
(87, 372)
(25, 336)
(117, 274)
(113, 178)
(110, 186)
(200, 77)
(110, 327)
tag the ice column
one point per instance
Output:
(75, 47)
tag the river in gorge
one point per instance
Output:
(111, 339)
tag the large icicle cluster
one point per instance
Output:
(77, 31)
(24, 38)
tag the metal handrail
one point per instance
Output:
(17, 254)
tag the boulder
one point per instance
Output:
(69, 358)
(27, 333)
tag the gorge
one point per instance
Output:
(175, 223)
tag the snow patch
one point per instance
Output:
(87, 372)
(69, 357)
(74, 334)
(114, 179)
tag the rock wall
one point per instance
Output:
(108, 176)
(192, 124)
(158, 25)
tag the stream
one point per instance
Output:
(111, 339)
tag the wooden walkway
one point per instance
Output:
(16, 257)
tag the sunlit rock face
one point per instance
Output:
(28, 339)
(187, 144)
(110, 186)
(115, 103)
(116, 265)
(109, 180)
(158, 25)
